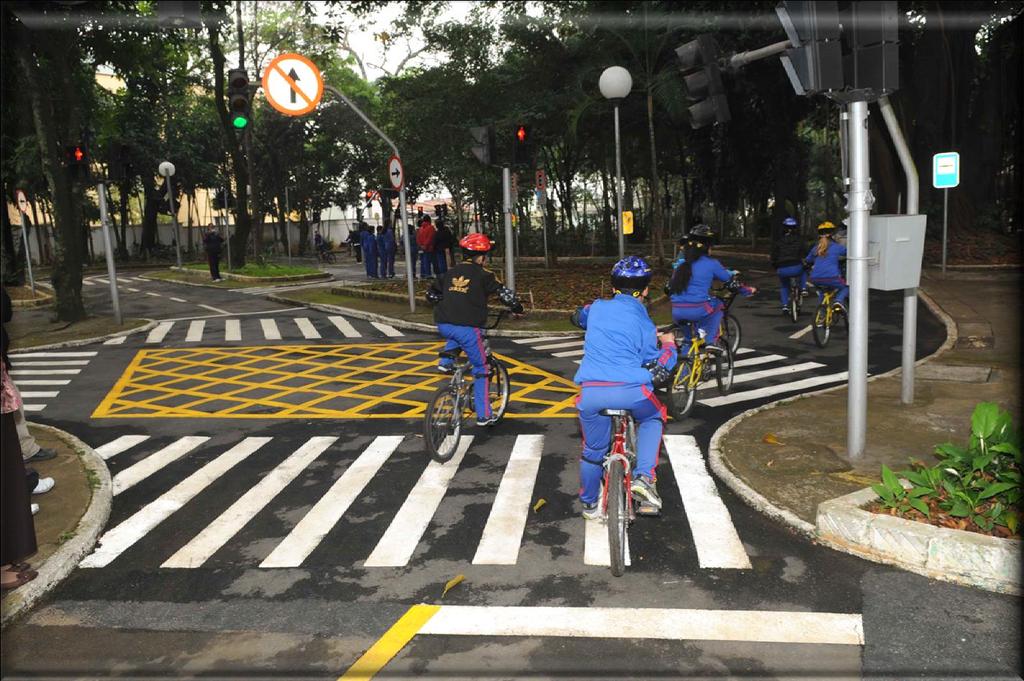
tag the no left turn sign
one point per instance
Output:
(292, 84)
(396, 173)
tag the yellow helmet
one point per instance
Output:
(826, 228)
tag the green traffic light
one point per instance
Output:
(240, 122)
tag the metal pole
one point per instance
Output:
(743, 58)
(945, 224)
(101, 190)
(910, 294)
(287, 227)
(408, 249)
(506, 199)
(28, 250)
(227, 226)
(408, 261)
(174, 220)
(618, 188)
(859, 207)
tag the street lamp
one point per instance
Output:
(166, 169)
(615, 84)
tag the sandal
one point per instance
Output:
(23, 578)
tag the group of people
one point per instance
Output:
(430, 247)
(20, 482)
(821, 265)
(375, 249)
(625, 357)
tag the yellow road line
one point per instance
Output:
(393, 640)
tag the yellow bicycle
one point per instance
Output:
(828, 313)
(694, 367)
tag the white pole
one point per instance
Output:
(101, 190)
(28, 250)
(174, 219)
(287, 226)
(506, 196)
(618, 188)
(945, 224)
(860, 201)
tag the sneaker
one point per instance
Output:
(42, 455)
(643, 488)
(35, 508)
(840, 308)
(487, 422)
(44, 485)
(785, 309)
(592, 511)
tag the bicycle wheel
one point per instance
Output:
(724, 370)
(499, 387)
(442, 424)
(732, 331)
(821, 327)
(681, 395)
(618, 497)
(794, 304)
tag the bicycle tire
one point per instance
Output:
(680, 396)
(794, 304)
(732, 331)
(617, 499)
(724, 370)
(820, 327)
(500, 389)
(442, 424)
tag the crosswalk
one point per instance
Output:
(397, 525)
(40, 376)
(241, 329)
(775, 375)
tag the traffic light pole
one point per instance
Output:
(618, 187)
(401, 193)
(101, 191)
(859, 208)
(506, 201)
(174, 219)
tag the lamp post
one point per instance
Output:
(615, 84)
(166, 169)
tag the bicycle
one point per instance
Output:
(452, 403)
(326, 257)
(796, 302)
(729, 328)
(825, 315)
(617, 506)
(694, 367)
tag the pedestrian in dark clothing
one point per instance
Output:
(355, 243)
(425, 240)
(414, 249)
(443, 242)
(213, 242)
(369, 243)
(387, 247)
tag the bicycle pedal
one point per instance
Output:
(646, 510)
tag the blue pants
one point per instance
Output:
(834, 282)
(785, 275)
(707, 314)
(471, 340)
(414, 255)
(370, 260)
(387, 262)
(441, 262)
(650, 418)
(425, 259)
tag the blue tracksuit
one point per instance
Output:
(620, 339)
(471, 340)
(826, 270)
(696, 304)
(386, 248)
(785, 275)
(414, 251)
(369, 244)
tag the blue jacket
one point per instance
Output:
(826, 266)
(369, 242)
(620, 339)
(702, 274)
(386, 240)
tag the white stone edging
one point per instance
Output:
(150, 323)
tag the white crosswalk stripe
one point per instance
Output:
(135, 474)
(504, 530)
(263, 329)
(159, 332)
(306, 328)
(387, 329)
(270, 330)
(38, 369)
(116, 340)
(195, 331)
(344, 326)
(232, 330)
(773, 390)
(121, 444)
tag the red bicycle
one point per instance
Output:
(617, 501)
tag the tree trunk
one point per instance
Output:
(304, 231)
(657, 252)
(150, 234)
(606, 218)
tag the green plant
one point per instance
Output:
(895, 496)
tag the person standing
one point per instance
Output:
(369, 244)
(386, 245)
(414, 250)
(443, 242)
(354, 242)
(425, 240)
(213, 242)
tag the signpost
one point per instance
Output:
(101, 191)
(396, 173)
(22, 212)
(292, 84)
(945, 175)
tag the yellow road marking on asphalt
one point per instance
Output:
(364, 381)
(393, 640)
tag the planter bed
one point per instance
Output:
(203, 274)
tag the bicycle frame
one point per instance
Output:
(697, 344)
(618, 452)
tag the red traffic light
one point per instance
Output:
(79, 154)
(521, 133)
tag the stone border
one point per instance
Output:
(40, 300)
(958, 556)
(58, 566)
(284, 279)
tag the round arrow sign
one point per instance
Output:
(292, 84)
(395, 172)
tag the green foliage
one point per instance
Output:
(980, 483)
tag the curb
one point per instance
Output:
(957, 556)
(58, 566)
(283, 279)
(404, 324)
(29, 303)
(294, 284)
(150, 323)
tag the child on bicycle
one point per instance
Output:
(689, 288)
(787, 259)
(621, 364)
(460, 297)
(823, 261)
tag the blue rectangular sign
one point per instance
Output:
(946, 170)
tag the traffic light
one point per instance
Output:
(239, 109)
(870, 49)
(702, 79)
(522, 145)
(484, 144)
(76, 158)
(815, 62)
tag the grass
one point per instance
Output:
(28, 331)
(265, 270)
(190, 277)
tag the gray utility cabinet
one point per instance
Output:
(895, 251)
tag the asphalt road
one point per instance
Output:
(281, 532)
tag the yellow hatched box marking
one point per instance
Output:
(364, 381)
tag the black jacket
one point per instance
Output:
(787, 250)
(464, 291)
(213, 242)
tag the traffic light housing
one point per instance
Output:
(76, 158)
(522, 145)
(815, 62)
(702, 80)
(484, 144)
(239, 106)
(870, 49)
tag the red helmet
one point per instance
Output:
(476, 243)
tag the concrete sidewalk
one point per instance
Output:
(790, 457)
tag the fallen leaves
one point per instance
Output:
(771, 439)
(452, 583)
(539, 505)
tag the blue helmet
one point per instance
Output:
(790, 223)
(632, 273)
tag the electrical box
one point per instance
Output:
(895, 251)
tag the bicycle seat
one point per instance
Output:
(450, 354)
(614, 412)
